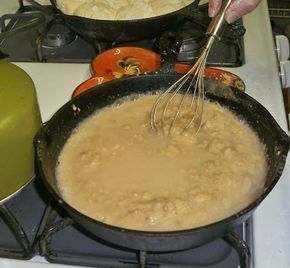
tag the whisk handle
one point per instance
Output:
(216, 26)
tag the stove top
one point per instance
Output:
(50, 232)
(55, 82)
(44, 37)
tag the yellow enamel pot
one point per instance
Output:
(19, 121)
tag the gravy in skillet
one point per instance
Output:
(115, 169)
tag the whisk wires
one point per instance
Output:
(172, 107)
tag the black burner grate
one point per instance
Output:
(64, 242)
(20, 218)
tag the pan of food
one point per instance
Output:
(142, 190)
(124, 20)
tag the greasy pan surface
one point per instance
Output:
(51, 138)
(126, 30)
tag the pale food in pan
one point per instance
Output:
(115, 169)
(120, 9)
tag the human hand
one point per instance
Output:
(236, 10)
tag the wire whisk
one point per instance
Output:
(180, 107)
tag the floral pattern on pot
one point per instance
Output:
(128, 66)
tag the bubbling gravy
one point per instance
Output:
(115, 169)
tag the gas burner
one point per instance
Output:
(58, 41)
(58, 35)
(192, 45)
(228, 51)
(44, 38)
(193, 39)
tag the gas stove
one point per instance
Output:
(51, 237)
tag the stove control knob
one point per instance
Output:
(285, 73)
(282, 47)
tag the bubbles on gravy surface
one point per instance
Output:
(115, 169)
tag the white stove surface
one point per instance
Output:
(56, 82)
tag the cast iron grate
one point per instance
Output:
(20, 218)
(64, 242)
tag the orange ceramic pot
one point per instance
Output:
(120, 62)
(127, 61)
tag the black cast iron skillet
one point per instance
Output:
(53, 135)
(127, 30)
